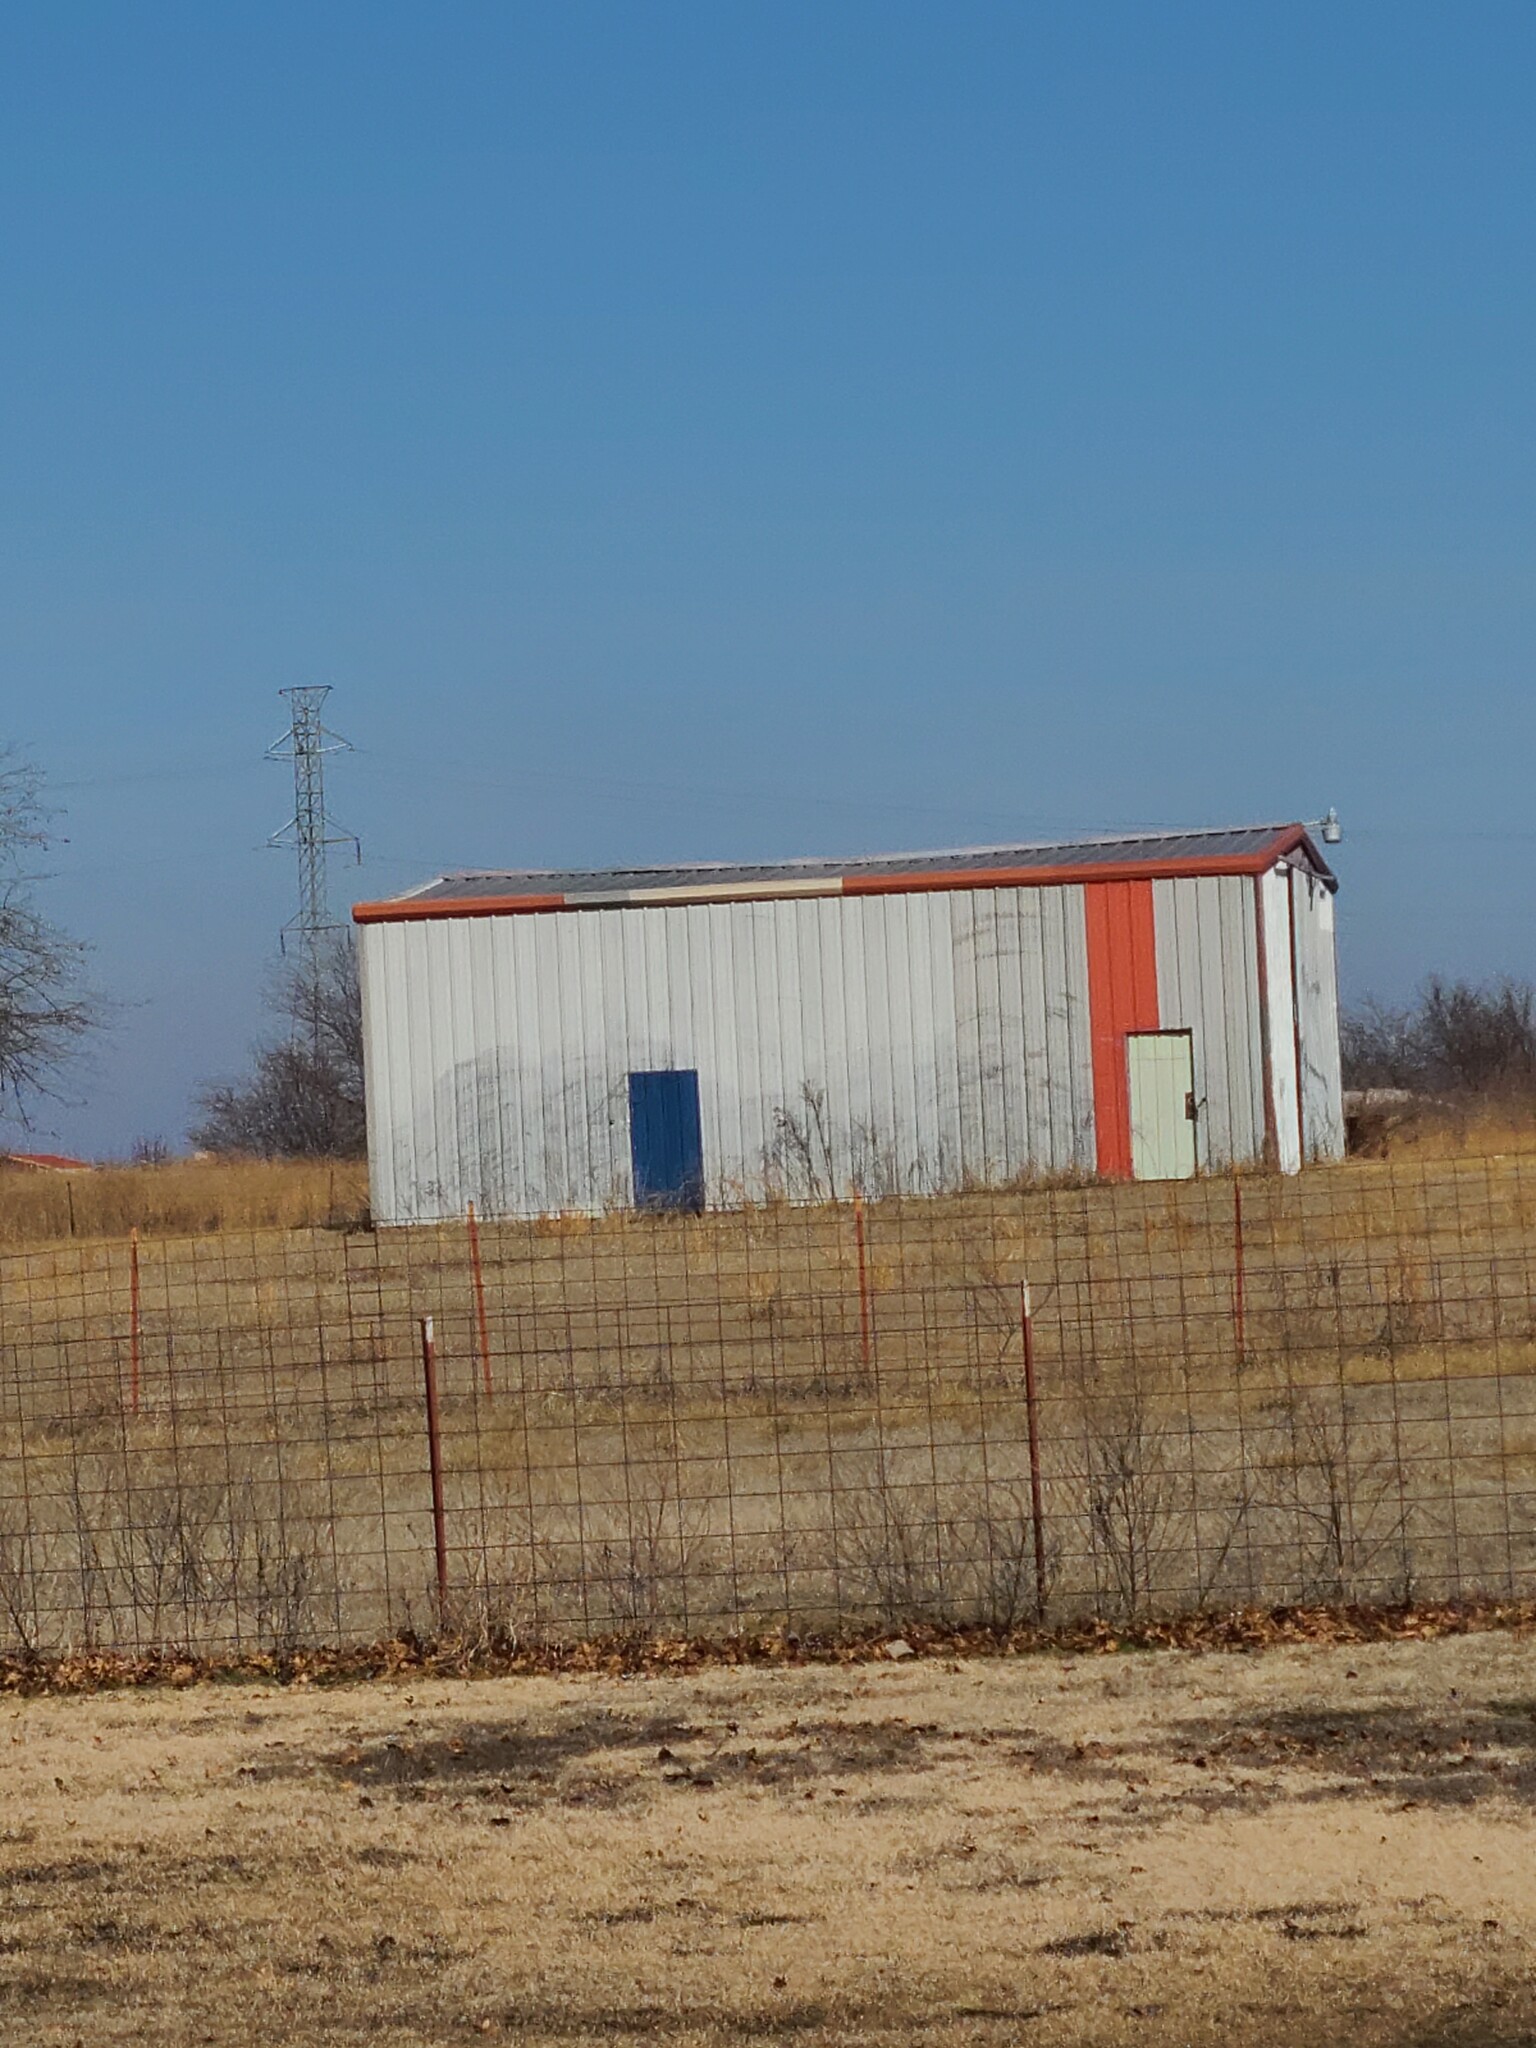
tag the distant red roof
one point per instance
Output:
(45, 1162)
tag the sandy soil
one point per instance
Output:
(1302, 1846)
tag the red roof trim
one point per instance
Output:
(411, 910)
(1045, 878)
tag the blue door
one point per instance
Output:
(666, 1141)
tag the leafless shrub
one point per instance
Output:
(1380, 1048)
(643, 1572)
(284, 1582)
(888, 1550)
(994, 1294)
(875, 1164)
(1129, 1501)
(1347, 1504)
(21, 1566)
(1004, 1587)
(279, 1571)
(164, 1560)
(503, 1559)
(804, 1155)
(96, 1499)
(903, 1557)
(170, 1557)
(1233, 1518)
(802, 1146)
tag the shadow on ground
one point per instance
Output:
(1410, 1755)
(617, 1757)
(1456, 1755)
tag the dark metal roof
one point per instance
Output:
(1168, 852)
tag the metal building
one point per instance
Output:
(683, 1037)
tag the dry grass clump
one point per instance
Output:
(182, 1198)
(1445, 1132)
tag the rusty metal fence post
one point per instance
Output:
(1032, 1415)
(435, 1457)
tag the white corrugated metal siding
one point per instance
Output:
(931, 1038)
(1208, 983)
(1024, 1055)
(1317, 1010)
(1275, 896)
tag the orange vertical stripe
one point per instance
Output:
(1122, 997)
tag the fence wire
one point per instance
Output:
(984, 1409)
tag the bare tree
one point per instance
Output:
(304, 1096)
(1458, 1041)
(44, 1007)
(1379, 1047)
(1479, 1041)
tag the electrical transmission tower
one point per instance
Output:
(311, 829)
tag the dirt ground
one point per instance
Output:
(1305, 1845)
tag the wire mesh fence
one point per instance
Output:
(981, 1410)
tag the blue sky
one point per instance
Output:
(688, 431)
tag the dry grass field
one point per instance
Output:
(1247, 1391)
(1306, 1845)
(1447, 1131)
(182, 1198)
(201, 1197)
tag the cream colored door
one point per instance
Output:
(1162, 1075)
